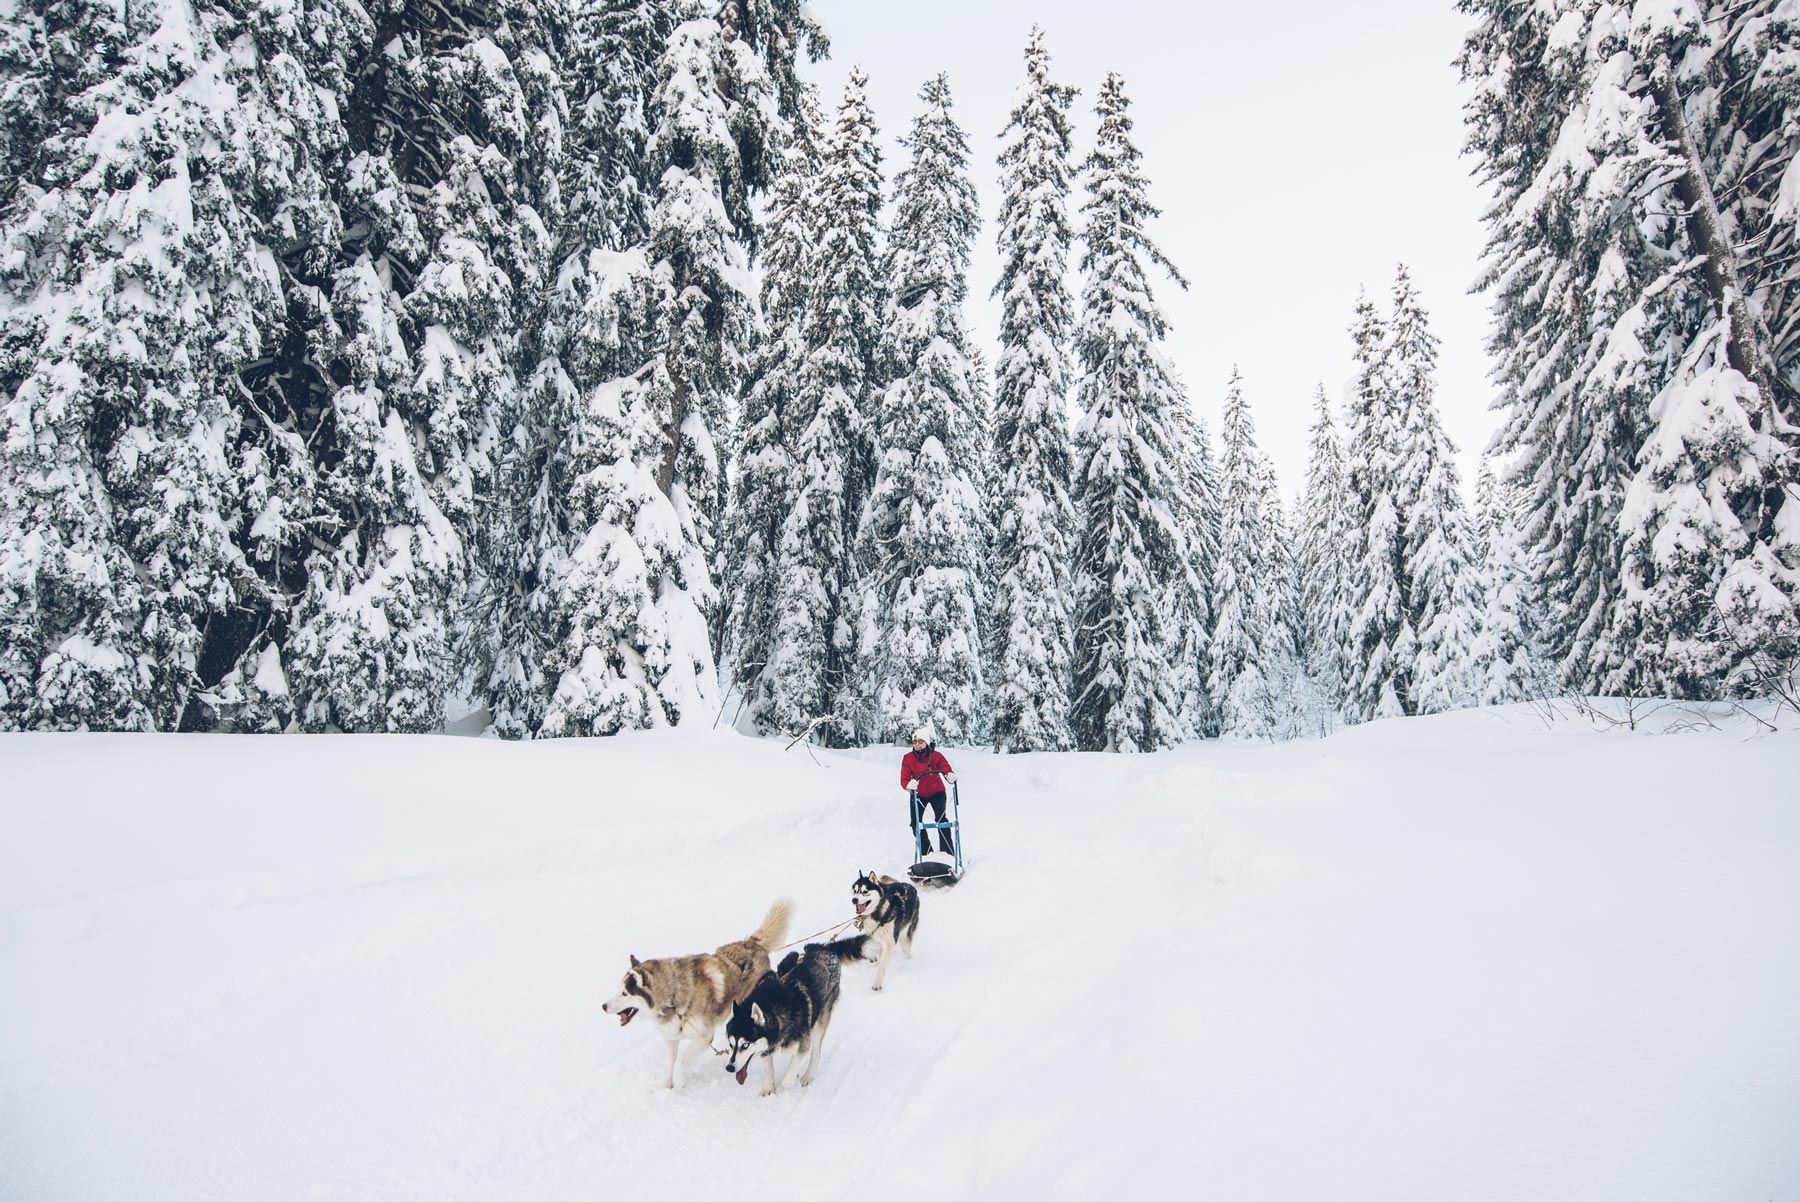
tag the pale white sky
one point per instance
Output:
(1295, 157)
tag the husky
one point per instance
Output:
(689, 996)
(789, 1010)
(887, 913)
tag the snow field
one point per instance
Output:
(1460, 957)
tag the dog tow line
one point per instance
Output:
(827, 931)
(681, 1018)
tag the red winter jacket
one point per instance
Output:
(925, 767)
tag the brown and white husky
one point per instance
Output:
(689, 996)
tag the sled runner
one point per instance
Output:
(934, 870)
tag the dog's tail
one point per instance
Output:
(852, 948)
(774, 926)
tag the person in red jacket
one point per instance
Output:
(926, 767)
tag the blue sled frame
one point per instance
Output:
(936, 872)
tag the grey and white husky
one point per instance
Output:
(887, 913)
(788, 1011)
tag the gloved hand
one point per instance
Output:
(949, 778)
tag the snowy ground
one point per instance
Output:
(1464, 957)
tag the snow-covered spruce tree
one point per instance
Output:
(614, 49)
(1381, 645)
(629, 646)
(1292, 699)
(985, 468)
(985, 471)
(920, 543)
(163, 164)
(1194, 604)
(1035, 518)
(810, 661)
(726, 99)
(1563, 133)
(454, 132)
(766, 482)
(1438, 554)
(1751, 115)
(1248, 582)
(1131, 549)
(1711, 555)
(1637, 263)
(1322, 545)
(709, 92)
(594, 328)
(600, 643)
(1503, 655)
(610, 573)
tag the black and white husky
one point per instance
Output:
(789, 1010)
(887, 913)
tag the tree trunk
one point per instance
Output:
(1707, 232)
(678, 410)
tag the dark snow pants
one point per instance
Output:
(935, 804)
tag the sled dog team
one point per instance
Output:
(786, 1009)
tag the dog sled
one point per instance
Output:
(936, 870)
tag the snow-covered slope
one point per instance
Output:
(1464, 957)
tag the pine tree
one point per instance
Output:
(1197, 509)
(1711, 560)
(708, 154)
(1378, 656)
(160, 182)
(1322, 545)
(1636, 268)
(1131, 550)
(73, 610)
(582, 346)
(646, 329)
(1292, 702)
(811, 654)
(767, 482)
(985, 471)
(1249, 640)
(454, 132)
(1503, 653)
(629, 646)
(920, 543)
(1034, 515)
(614, 49)
(1576, 241)
(615, 643)
(1441, 588)
(606, 627)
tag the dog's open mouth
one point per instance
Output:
(627, 1014)
(860, 906)
(743, 1074)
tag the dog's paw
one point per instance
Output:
(875, 989)
(805, 1081)
(768, 1093)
